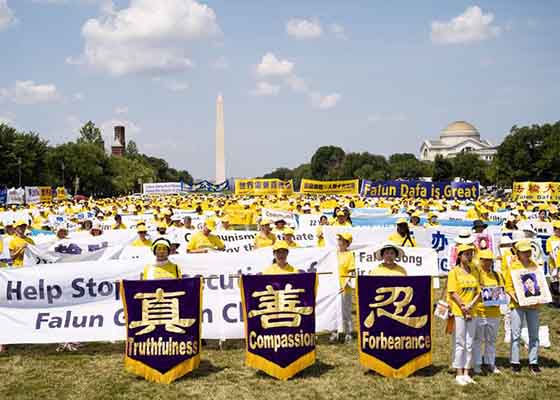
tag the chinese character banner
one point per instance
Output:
(536, 191)
(162, 327)
(395, 323)
(310, 186)
(279, 315)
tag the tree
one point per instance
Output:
(405, 166)
(363, 165)
(443, 169)
(279, 173)
(91, 134)
(131, 149)
(25, 151)
(301, 172)
(325, 160)
(84, 160)
(469, 166)
(529, 153)
(127, 174)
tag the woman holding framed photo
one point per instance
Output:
(530, 314)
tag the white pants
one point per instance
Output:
(346, 301)
(485, 335)
(464, 337)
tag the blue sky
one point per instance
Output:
(371, 76)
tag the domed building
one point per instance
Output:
(457, 137)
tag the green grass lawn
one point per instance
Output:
(96, 372)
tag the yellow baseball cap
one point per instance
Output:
(486, 254)
(346, 236)
(523, 245)
(289, 231)
(210, 224)
(20, 223)
(402, 221)
(556, 224)
(281, 245)
(464, 247)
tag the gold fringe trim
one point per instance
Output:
(408, 369)
(274, 370)
(150, 374)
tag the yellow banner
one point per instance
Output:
(330, 187)
(536, 191)
(45, 194)
(258, 187)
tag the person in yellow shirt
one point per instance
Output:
(19, 243)
(551, 243)
(118, 222)
(415, 218)
(346, 267)
(487, 317)
(203, 241)
(289, 237)
(403, 236)
(530, 314)
(162, 268)
(388, 253)
(463, 290)
(142, 239)
(280, 263)
(341, 219)
(320, 236)
(265, 237)
(432, 220)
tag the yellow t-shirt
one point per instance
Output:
(509, 281)
(551, 242)
(164, 271)
(321, 242)
(463, 283)
(17, 243)
(140, 243)
(486, 279)
(382, 270)
(267, 241)
(119, 226)
(346, 265)
(200, 241)
(336, 223)
(274, 269)
(397, 239)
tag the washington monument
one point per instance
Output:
(220, 155)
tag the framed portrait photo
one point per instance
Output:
(530, 287)
(493, 295)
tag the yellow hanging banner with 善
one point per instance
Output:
(536, 191)
(311, 186)
(256, 187)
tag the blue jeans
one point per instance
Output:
(531, 315)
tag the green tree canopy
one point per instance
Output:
(325, 160)
(91, 134)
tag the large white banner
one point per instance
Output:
(70, 302)
(32, 195)
(162, 188)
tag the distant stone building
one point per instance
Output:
(119, 142)
(458, 137)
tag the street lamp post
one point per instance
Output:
(19, 171)
(62, 166)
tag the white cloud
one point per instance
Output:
(147, 36)
(300, 28)
(121, 110)
(79, 96)
(338, 31)
(220, 63)
(172, 85)
(7, 16)
(27, 92)
(296, 83)
(324, 102)
(266, 89)
(271, 66)
(470, 26)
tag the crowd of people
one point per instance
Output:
(472, 324)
